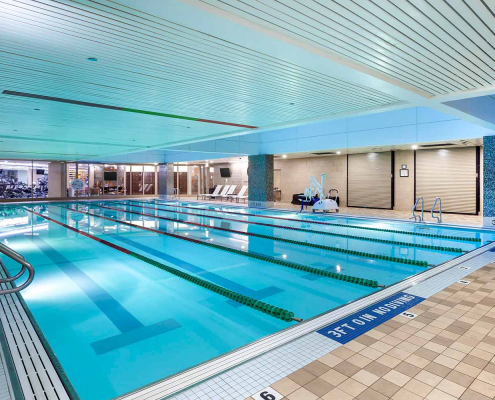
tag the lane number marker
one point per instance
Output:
(464, 282)
(408, 314)
(268, 394)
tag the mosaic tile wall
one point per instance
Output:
(165, 180)
(488, 179)
(260, 175)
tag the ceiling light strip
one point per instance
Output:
(96, 105)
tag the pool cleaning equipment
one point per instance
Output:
(315, 195)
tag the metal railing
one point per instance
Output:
(439, 212)
(25, 265)
(417, 217)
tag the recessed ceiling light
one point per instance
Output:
(284, 155)
(338, 152)
(414, 146)
(92, 59)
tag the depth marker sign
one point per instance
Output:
(361, 322)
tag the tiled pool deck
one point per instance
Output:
(446, 353)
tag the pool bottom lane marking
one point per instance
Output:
(292, 228)
(131, 329)
(399, 260)
(326, 223)
(354, 325)
(277, 312)
(333, 275)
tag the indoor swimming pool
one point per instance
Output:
(131, 292)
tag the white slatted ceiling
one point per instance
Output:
(369, 180)
(449, 174)
(436, 46)
(152, 64)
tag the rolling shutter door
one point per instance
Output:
(369, 180)
(449, 174)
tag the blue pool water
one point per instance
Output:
(117, 323)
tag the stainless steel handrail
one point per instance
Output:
(25, 265)
(439, 218)
(421, 218)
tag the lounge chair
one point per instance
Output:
(240, 195)
(229, 193)
(225, 190)
(215, 193)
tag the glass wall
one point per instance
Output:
(23, 179)
(111, 180)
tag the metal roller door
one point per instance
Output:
(450, 174)
(369, 180)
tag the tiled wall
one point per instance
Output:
(238, 174)
(260, 172)
(488, 180)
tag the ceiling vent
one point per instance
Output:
(437, 145)
(328, 153)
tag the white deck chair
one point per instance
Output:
(215, 193)
(229, 193)
(239, 195)
(223, 193)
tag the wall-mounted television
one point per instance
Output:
(40, 172)
(225, 172)
(110, 176)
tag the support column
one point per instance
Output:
(260, 176)
(165, 181)
(489, 181)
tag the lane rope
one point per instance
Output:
(277, 312)
(333, 275)
(295, 242)
(458, 238)
(342, 235)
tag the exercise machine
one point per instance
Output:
(316, 197)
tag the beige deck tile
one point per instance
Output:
(377, 369)
(404, 394)
(352, 387)
(484, 388)
(317, 368)
(330, 359)
(437, 394)
(481, 354)
(343, 352)
(337, 394)
(359, 360)
(319, 387)
(381, 346)
(409, 347)
(371, 353)
(385, 387)
(370, 394)
(472, 395)
(446, 361)
(416, 340)
(451, 388)
(437, 348)
(392, 341)
(302, 394)
(418, 387)
(487, 377)
(417, 361)
(285, 386)
(333, 377)
(455, 354)
(399, 353)
(365, 377)
(389, 361)
(355, 346)
(468, 369)
(301, 376)
(460, 378)
(428, 378)
(397, 378)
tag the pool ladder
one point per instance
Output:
(25, 265)
(418, 218)
(439, 212)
